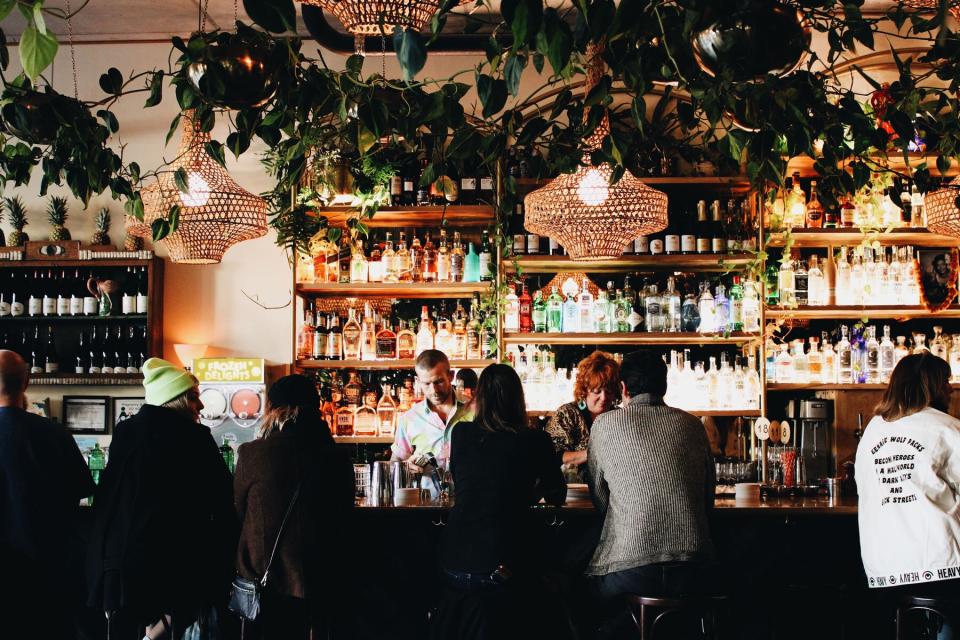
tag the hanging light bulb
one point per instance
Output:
(593, 189)
(198, 191)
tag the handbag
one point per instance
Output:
(244, 593)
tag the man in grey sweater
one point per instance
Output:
(652, 476)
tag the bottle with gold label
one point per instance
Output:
(386, 342)
(366, 421)
(406, 342)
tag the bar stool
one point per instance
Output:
(648, 612)
(944, 610)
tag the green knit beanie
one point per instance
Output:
(164, 381)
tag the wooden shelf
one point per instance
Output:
(363, 439)
(88, 379)
(641, 338)
(67, 264)
(455, 215)
(718, 413)
(804, 164)
(856, 313)
(42, 319)
(406, 290)
(802, 386)
(803, 238)
(375, 365)
(734, 184)
(684, 262)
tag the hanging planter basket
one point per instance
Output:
(241, 71)
(35, 116)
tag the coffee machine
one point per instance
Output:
(812, 423)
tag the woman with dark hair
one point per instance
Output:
(908, 480)
(163, 527)
(500, 468)
(294, 462)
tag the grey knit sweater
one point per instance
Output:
(653, 477)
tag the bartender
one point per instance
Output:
(424, 430)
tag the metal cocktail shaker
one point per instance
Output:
(381, 485)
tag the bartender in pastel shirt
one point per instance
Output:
(426, 427)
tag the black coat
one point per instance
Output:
(43, 477)
(164, 529)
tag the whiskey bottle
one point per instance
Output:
(443, 259)
(386, 342)
(814, 209)
(456, 259)
(52, 361)
(320, 338)
(387, 412)
(334, 339)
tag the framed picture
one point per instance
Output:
(938, 273)
(40, 407)
(124, 408)
(86, 414)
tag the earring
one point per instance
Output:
(581, 405)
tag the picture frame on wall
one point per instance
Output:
(937, 271)
(124, 408)
(86, 414)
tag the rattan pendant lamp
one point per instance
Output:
(943, 212)
(590, 218)
(215, 212)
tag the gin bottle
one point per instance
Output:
(938, 346)
(554, 312)
(801, 368)
(817, 295)
(900, 351)
(671, 307)
(844, 357)
(708, 311)
(721, 306)
(784, 365)
(585, 303)
(887, 355)
(539, 313)
(873, 356)
(571, 315)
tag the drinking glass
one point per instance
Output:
(361, 476)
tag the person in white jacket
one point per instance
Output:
(908, 479)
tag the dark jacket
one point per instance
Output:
(268, 472)
(164, 528)
(43, 477)
(497, 476)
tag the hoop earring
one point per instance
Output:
(581, 405)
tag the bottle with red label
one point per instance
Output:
(526, 311)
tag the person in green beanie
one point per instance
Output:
(164, 532)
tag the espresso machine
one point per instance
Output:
(812, 423)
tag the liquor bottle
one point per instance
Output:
(857, 281)
(736, 305)
(344, 256)
(938, 346)
(443, 339)
(654, 312)
(816, 285)
(671, 307)
(641, 245)
(533, 243)
(366, 419)
(873, 357)
(344, 420)
(516, 230)
(49, 300)
(423, 189)
(408, 194)
(656, 244)
(539, 313)
(97, 462)
(918, 210)
(425, 332)
(688, 237)
(601, 313)
(844, 357)
(52, 361)
(456, 259)
(402, 259)
(305, 339)
(473, 337)
(368, 334)
(848, 213)
(585, 304)
(375, 262)
(351, 337)
(386, 342)
(486, 264)
(814, 209)
(406, 342)
(443, 259)
(814, 362)
(571, 314)
(416, 260)
(887, 355)
(906, 205)
(911, 288)
(63, 300)
(95, 357)
(359, 266)
(801, 283)
(429, 261)
(751, 306)
(459, 332)
(396, 190)
(389, 259)
(797, 211)
(786, 284)
(829, 372)
(721, 304)
(471, 261)
(511, 318)
(6, 292)
(707, 307)
(784, 365)
(128, 301)
(704, 239)
(844, 294)
(334, 339)
(621, 313)
(689, 314)
(718, 238)
(386, 413)
(554, 312)
(525, 303)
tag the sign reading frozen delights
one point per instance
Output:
(229, 370)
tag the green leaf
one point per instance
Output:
(538, 61)
(38, 17)
(512, 72)
(134, 206)
(109, 119)
(156, 90)
(411, 51)
(277, 16)
(180, 180)
(174, 217)
(520, 23)
(943, 164)
(37, 52)
(238, 142)
(558, 40)
(173, 127)
(214, 149)
(160, 229)
(492, 94)
(638, 109)
(354, 64)
(6, 6)
(112, 81)
(563, 99)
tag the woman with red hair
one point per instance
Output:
(597, 391)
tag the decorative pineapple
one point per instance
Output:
(3, 240)
(132, 242)
(102, 234)
(57, 215)
(18, 218)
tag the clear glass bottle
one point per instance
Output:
(429, 268)
(817, 295)
(443, 339)
(671, 306)
(814, 362)
(539, 312)
(654, 313)
(443, 258)
(895, 276)
(843, 294)
(457, 259)
(751, 306)
(406, 342)
(911, 289)
(511, 318)
(368, 334)
(874, 375)
(471, 265)
(459, 332)
(939, 346)
(844, 357)
(403, 260)
(585, 303)
(386, 413)
(786, 283)
(801, 283)
(554, 311)
(601, 314)
(828, 374)
(690, 314)
(351, 337)
(425, 332)
(857, 282)
(784, 365)
(753, 386)
(707, 307)
(801, 366)
(571, 315)
(366, 420)
(359, 266)
(721, 305)
(736, 305)
(887, 355)
(389, 259)
(901, 351)
(920, 343)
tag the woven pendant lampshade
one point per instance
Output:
(590, 218)
(215, 213)
(943, 215)
(367, 17)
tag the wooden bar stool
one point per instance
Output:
(944, 610)
(648, 612)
